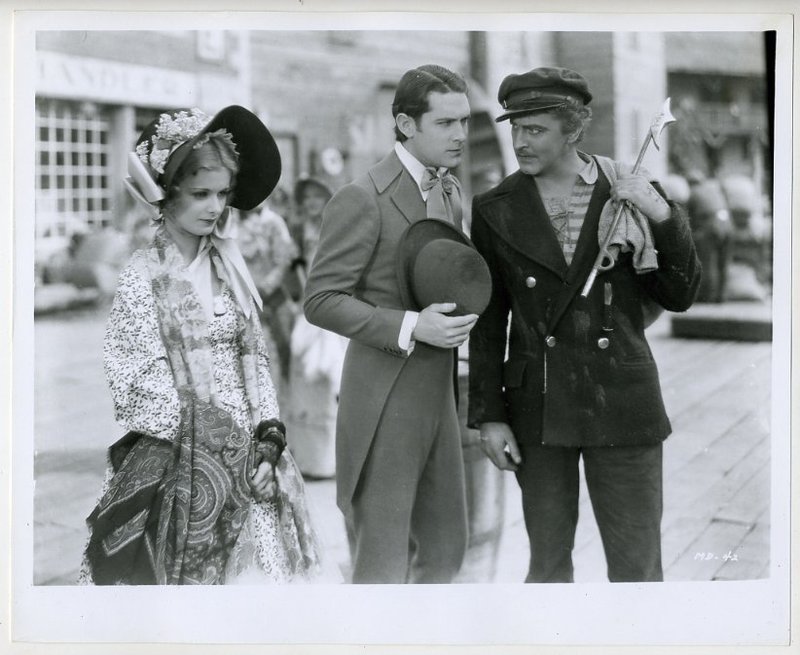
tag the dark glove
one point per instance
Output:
(269, 440)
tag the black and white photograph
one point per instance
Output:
(406, 328)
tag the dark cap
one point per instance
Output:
(541, 88)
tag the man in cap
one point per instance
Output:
(579, 380)
(399, 471)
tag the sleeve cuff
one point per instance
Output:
(406, 330)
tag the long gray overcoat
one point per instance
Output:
(352, 290)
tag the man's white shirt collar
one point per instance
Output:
(589, 171)
(415, 168)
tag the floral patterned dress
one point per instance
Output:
(146, 400)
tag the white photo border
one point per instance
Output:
(666, 614)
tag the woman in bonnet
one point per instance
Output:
(201, 489)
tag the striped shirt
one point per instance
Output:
(568, 213)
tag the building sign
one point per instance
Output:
(67, 76)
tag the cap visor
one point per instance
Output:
(527, 110)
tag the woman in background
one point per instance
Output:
(269, 251)
(317, 355)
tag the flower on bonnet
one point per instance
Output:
(171, 132)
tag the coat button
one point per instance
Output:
(550, 341)
(602, 343)
(530, 282)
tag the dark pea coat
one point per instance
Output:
(559, 384)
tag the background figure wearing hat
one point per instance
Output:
(317, 355)
(311, 195)
(579, 380)
(399, 471)
(749, 269)
(200, 489)
(711, 232)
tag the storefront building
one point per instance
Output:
(95, 91)
(326, 96)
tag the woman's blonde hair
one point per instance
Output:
(217, 151)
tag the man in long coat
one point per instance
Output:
(399, 470)
(579, 379)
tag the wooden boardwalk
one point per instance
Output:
(716, 522)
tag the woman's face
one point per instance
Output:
(199, 202)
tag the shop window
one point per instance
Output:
(72, 152)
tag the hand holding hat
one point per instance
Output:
(442, 275)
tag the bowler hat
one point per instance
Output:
(437, 263)
(541, 88)
(179, 132)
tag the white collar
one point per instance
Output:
(589, 171)
(239, 279)
(415, 168)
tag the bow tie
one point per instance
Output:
(431, 177)
(442, 203)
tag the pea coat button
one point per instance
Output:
(550, 341)
(530, 282)
(602, 343)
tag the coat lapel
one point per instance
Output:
(585, 251)
(407, 198)
(405, 195)
(522, 222)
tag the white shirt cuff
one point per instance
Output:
(406, 330)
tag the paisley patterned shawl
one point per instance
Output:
(173, 511)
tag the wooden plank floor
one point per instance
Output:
(717, 461)
(716, 522)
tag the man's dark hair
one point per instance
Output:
(573, 116)
(411, 96)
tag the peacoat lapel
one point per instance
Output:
(585, 251)
(518, 216)
(520, 219)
